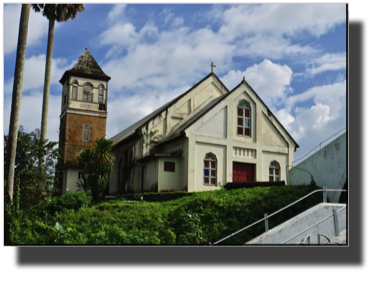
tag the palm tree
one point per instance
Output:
(59, 13)
(97, 165)
(16, 99)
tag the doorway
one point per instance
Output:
(243, 172)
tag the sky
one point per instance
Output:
(292, 55)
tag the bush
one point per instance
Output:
(71, 200)
(197, 219)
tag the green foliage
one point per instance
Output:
(197, 219)
(151, 136)
(97, 164)
(69, 201)
(35, 183)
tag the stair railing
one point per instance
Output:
(266, 217)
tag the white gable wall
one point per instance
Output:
(216, 132)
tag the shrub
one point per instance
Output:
(71, 200)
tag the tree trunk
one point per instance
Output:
(45, 103)
(16, 98)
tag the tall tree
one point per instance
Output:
(59, 13)
(16, 99)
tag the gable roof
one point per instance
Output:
(196, 116)
(86, 67)
(123, 135)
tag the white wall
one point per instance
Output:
(328, 167)
(216, 132)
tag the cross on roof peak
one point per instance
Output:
(212, 67)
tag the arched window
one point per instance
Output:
(87, 92)
(274, 171)
(244, 119)
(210, 169)
(101, 94)
(86, 133)
(74, 95)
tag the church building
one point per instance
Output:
(199, 141)
(83, 114)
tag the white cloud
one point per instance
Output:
(37, 28)
(31, 111)
(177, 22)
(285, 118)
(315, 123)
(270, 80)
(34, 73)
(327, 62)
(116, 13)
(289, 19)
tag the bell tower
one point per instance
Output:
(83, 116)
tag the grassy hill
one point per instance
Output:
(197, 219)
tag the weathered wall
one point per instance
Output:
(79, 104)
(73, 136)
(328, 167)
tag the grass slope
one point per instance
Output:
(197, 219)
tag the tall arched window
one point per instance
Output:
(210, 169)
(87, 92)
(274, 171)
(86, 133)
(244, 119)
(101, 94)
(74, 95)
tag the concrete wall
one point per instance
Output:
(70, 179)
(328, 167)
(303, 221)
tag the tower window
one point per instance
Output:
(75, 90)
(86, 133)
(101, 93)
(87, 92)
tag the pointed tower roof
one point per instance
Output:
(86, 67)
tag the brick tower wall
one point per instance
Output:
(72, 126)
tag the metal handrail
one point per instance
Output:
(319, 145)
(324, 219)
(274, 213)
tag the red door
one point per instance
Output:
(243, 172)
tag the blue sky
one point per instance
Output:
(293, 55)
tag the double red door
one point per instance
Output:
(244, 172)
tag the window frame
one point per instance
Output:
(75, 85)
(273, 170)
(244, 117)
(86, 126)
(88, 94)
(101, 88)
(169, 166)
(210, 169)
